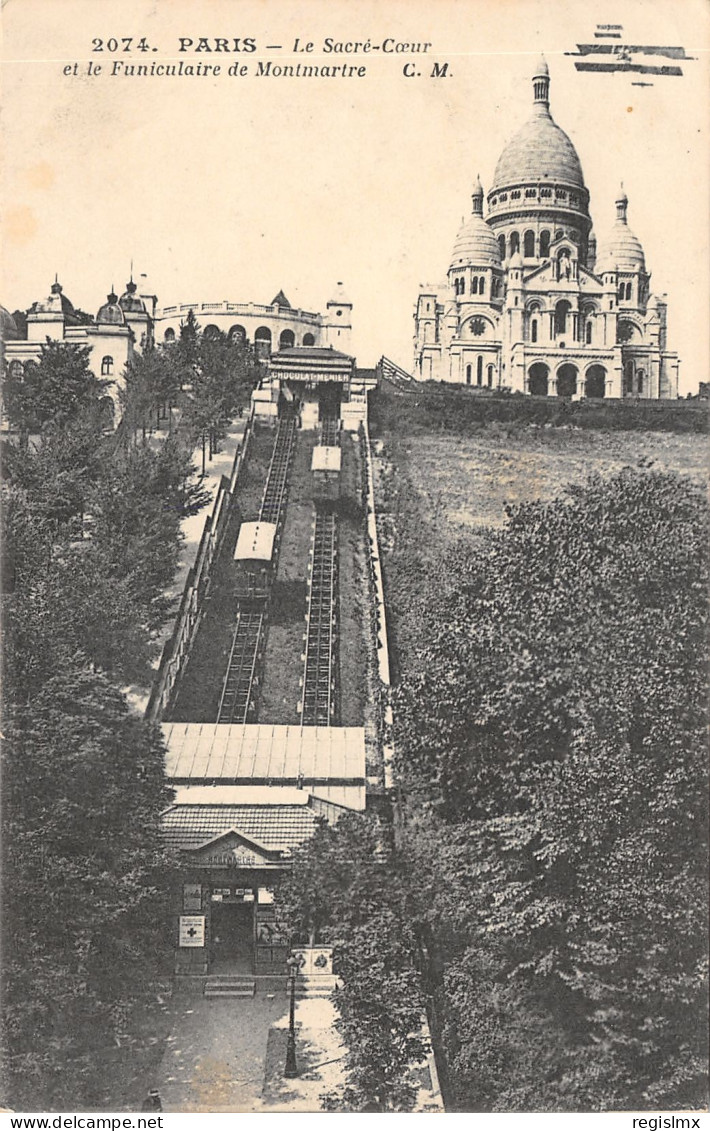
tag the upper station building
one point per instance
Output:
(528, 304)
(270, 328)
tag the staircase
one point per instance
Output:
(230, 985)
(390, 371)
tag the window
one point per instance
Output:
(107, 366)
(529, 244)
(628, 291)
(490, 376)
(17, 370)
(478, 327)
(588, 333)
(514, 242)
(533, 330)
(639, 381)
(479, 371)
(544, 244)
(169, 335)
(309, 340)
(561, 312)
(501, 245)
(468, 374)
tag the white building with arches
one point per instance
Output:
(269, 328)
(528, 305)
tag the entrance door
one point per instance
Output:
(233, 937)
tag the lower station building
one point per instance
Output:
(528, 304)
(246, 797)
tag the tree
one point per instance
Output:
(54, 391)
(346, 887)
(84, 880)
(559, 719)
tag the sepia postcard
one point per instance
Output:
(356, 366)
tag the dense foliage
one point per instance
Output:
(349, 888)
(553, 737)
(550, 729)
(432, 407)
(91, 540)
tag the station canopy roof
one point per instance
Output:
(255, 753)
(326, 458)
(275, 827)
(255, 542)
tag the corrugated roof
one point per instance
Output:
(264, 752)
(255, 542)
(326, 458)
(276, 827)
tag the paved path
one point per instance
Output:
(216, 1055)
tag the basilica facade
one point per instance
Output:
(528, 304)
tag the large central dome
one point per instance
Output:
(540, 150)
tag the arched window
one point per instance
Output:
(566, 381)
(628, 291)
(533, 330)
(537, 379)
(17, 370)
(501, 245)
(237, 335)
(309, 340)
(514, 242)
(588, 332)
(639, 381)
(468, 374)
(490, 376)
(529, 244)
(106, 366)
(169, 334)
(561, 312)
(544, 244)
(595, 383)
(479, 371)
(262, 342)
(287, 340)
(211, 332)
(622, 292)
(628, 378)
(481, 285)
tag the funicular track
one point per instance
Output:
(272, 504)
(329, 432)
(319, 691)
(238, 699)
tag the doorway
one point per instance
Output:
(232, 937)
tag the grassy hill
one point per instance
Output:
(446, 468)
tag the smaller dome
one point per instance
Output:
(110, 313)
(475, 245)
(541, 68)
(621, 250)
(130, 302)
(8, 326)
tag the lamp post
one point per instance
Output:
(291, 1069)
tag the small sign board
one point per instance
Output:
(192, 930)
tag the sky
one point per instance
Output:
(232, 187)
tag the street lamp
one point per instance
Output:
(293, 965)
